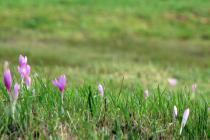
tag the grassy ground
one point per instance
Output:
(123, 113)
(142, 42)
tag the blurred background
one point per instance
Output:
(144, 41)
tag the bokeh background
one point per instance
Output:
(144, 41)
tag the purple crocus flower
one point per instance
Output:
(13, 98)
(24, 71)
(184, 119)
(16, 91)
(146, 93)
(7, 79)
(101, 89)
(60, 82)
(194, 87)
(22, 60)
(172, 81)
(28, 81)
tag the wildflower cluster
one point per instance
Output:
(24, 69)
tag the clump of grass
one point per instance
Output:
(88, 115)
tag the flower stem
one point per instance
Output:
(13, 107)
(180, 132)
(62, 109)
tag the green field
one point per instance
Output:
(128, 46)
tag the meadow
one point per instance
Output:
(126, 45)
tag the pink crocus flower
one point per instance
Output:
(184, 119)
(175, 112)
(7, 79)
(13, 98)
(172, 81)
(22, 60)
(146, 93)
(60, 82)
(24, 71)
(16, 91)
(194, 87)
(101, 89)
(28, 81)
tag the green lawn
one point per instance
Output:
(134, 44)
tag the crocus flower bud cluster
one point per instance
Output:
(184, 117)
(24, 69)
